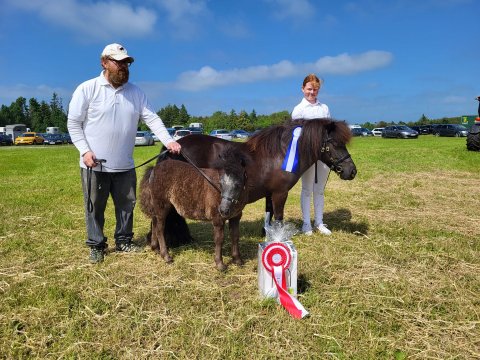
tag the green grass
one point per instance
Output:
(398, 279)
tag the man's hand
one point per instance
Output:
(174, 147)
(89, 159)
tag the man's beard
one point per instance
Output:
(118, 77)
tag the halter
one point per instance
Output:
(335, 166)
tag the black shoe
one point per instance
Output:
(96, 255)
(127, 247)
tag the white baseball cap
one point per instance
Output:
(116, 52)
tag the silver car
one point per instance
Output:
(144, 138)
(221, 133)
(400, 132)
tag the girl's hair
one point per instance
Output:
(313, 79)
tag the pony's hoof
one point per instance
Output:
(168, 259)
(221, 267)
(237, 261)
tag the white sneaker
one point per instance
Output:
(307, 229)
(322, 228)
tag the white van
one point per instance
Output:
(53, 130)
(195, 125)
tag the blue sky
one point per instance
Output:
(380, 59)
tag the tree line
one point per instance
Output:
(39, 115)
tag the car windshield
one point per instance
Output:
(140, 134)
(183, 132)
(403, 128)
(460, 127)
(26, 135)
(222, 132)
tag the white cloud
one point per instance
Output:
(344, 64)
(98, 20)
(184, 16)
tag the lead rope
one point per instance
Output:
(201, 172)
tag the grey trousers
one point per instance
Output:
(122, 186)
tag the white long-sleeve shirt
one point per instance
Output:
(306, 110)
(104, 120)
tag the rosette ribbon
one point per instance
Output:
(290, 162)
(276, 259)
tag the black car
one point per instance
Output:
(66, 138)
(5, 139)
(361, 132)
(400, 132)
(52, 139)
(456, 130)
(422, 130)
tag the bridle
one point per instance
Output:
(335, 163)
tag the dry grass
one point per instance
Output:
(399, 278)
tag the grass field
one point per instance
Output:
(398, 279)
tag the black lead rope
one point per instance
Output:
(101, 162)
(89, 184)
(201, 172)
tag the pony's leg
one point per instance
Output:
(218, 233)
(234, 226)
(158, 239)
(153, 234)
(268, 209)
(279, 200)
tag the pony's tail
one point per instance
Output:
(146, 200)
(176, 230)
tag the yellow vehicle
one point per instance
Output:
(29, 138)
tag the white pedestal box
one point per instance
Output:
(266, 285)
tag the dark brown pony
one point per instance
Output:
(176, 186)
(320, 139)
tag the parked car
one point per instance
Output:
(399, 131)
(29, 138)
(221, 133)
(240, 134)
(5, 139)
(456, 130)
(361, 132)
(421, 129)
(52, 139)
(66, 138)
(144, 138)
(171, 131)
(377, 131)
(181, 133)
(195, 130)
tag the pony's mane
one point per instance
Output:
(231, 159)
(276, 138)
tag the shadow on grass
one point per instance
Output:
(341, 219)
(251, 234)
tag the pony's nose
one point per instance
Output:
(224, 211)
(353, 173)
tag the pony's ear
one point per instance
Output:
(217, 150)
(330, 126)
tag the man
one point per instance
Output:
(103, 119)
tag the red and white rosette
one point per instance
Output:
(276, 259)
